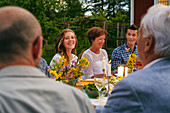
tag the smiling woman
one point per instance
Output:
(95, 53)
(65, 46)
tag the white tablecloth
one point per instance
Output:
(96, 102)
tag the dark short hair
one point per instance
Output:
(95, 32)
(133, 27)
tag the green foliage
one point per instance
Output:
(92, 91)
(73, 6)
(101, 15)
(120, 17)
(111, 6)
(43, 11)
(54, 16)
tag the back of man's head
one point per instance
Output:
(18, 30)
(156, 23)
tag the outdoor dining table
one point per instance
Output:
(94, 102)
(99, 105)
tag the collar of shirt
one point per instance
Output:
(153, 62)
(126, 46)
(21, 70)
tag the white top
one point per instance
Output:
(58, 56)
(96, 66)
(25, 89)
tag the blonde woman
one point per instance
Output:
(65, 46)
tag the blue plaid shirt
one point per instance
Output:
(43, 67)
(120, 56)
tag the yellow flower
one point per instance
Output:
(110, 89)
(87, 64)
(55, 67)
(83, 58)
(132, 56)
(131, 61)
(113, 77)
(63, 70)
(66, 81)
(80, 77)
(57, 75)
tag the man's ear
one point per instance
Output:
(149, 43)
(37, 48)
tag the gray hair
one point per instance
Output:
(18, 28)
(157, 24)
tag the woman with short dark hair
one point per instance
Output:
(95, 53)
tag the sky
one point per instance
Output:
(88, 13)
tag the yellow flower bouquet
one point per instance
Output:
(131, 62)
(114, 81)
(62, 71)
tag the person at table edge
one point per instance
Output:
(23, 87)
(95, 53)
(120, 54)
(147, 90)
(65, 46)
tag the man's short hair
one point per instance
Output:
(15, 36)
(133, 27)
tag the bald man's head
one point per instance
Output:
(18, 29)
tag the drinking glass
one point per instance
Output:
(100, 83)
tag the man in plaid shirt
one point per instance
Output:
(120, 54)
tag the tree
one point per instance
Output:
(49, 14)
(111, 6)
(69, 8)
(94, 5)
(114, 6)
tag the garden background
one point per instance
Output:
(56, 15)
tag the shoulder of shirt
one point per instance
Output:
(119, 48)
(43, 60)
(75, 56)
(87, 51)
(57, 55)
(103, 50)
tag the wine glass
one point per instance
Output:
(99, 83)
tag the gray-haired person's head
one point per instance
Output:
(156, 23)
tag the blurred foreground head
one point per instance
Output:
(20, 37)
(154, 34)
